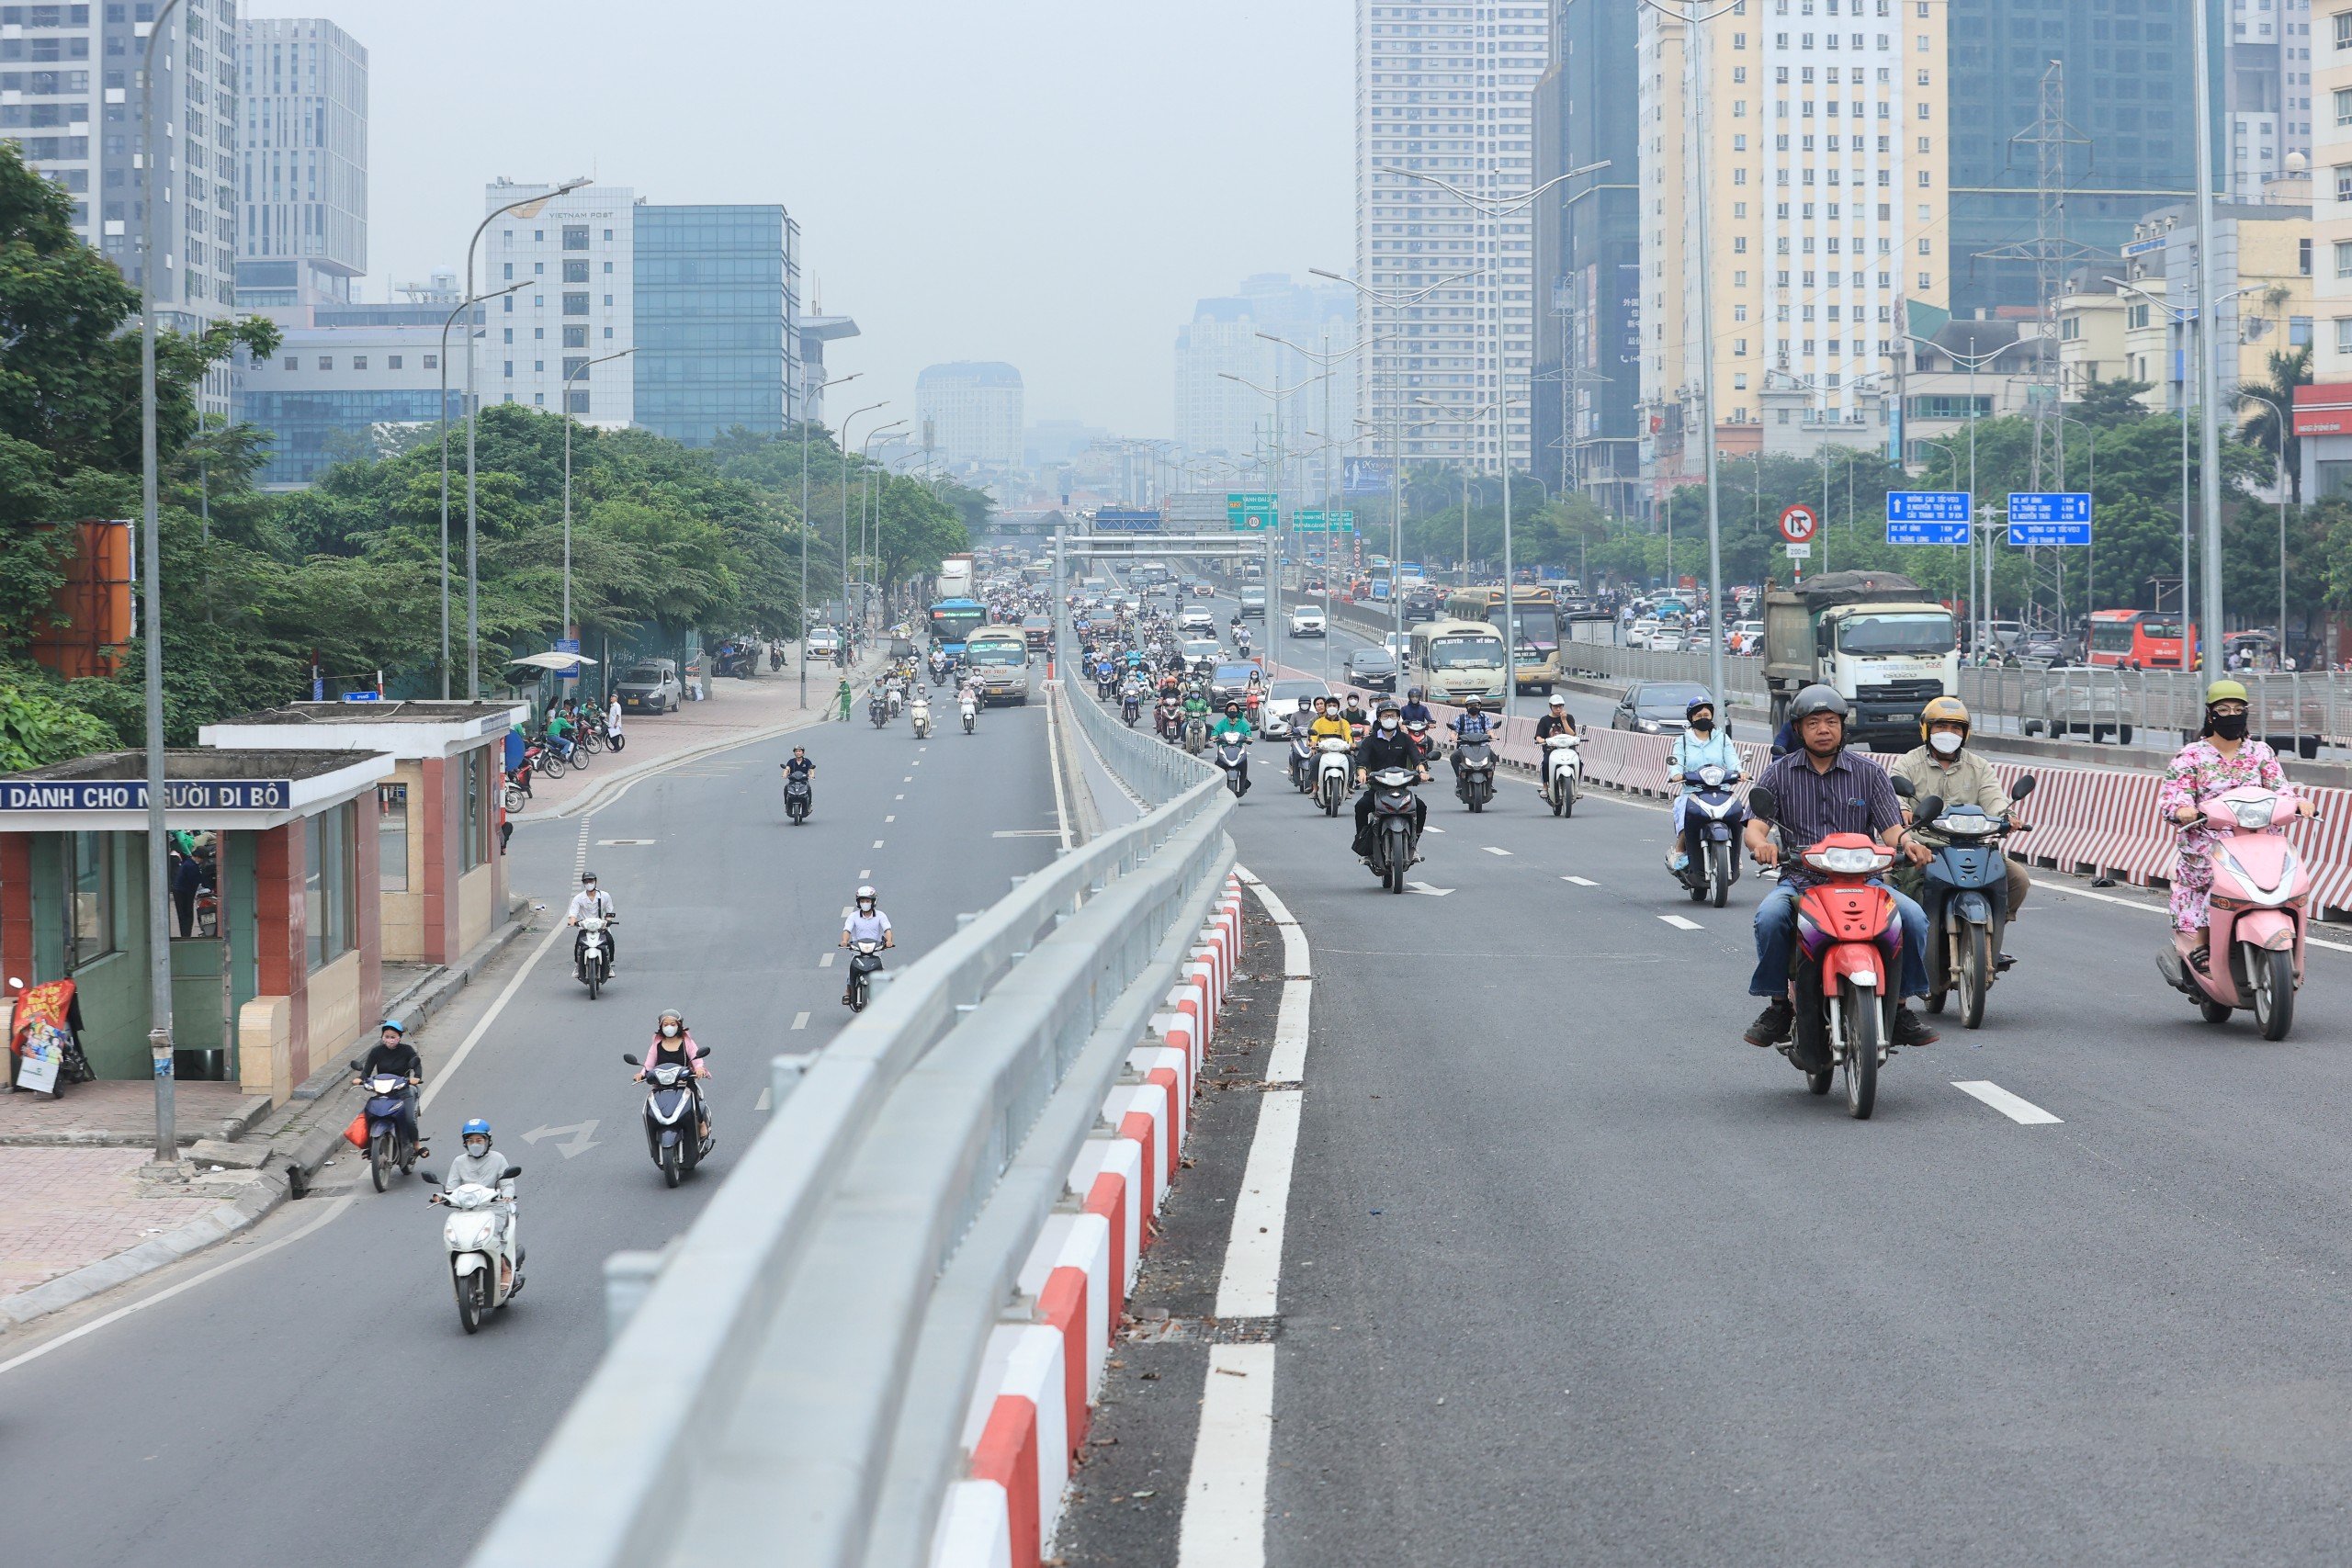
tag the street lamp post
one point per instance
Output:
(869, 543)
(2280, 416)
(2209, 392)
(1274, 396)
(845, 499)
(569, 377)
(448, 322)
(806, 529)
(473, 417)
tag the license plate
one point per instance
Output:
(1903, 718)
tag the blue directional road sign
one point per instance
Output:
(1929, 516)
(2050, 517)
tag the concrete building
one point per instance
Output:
(817, 330)
(717, 295)
(301, 161)
(580, 249)
(1447, 91)
(2324, 410)
(336, 390)
(2262, 272)
(2268, 102)
(1587, 258)
(970, 412)
(1825, 195)
(1216, 417)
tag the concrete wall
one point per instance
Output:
(404, 912)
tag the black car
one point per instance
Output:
(1656, 707)
(1375, 668)
(1420, 605)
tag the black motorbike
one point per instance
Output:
(677, 1120)
(799, 798)
(1474, 773)
(390, 1148)
(1393, 840)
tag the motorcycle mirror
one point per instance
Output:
(706, 1051)
(1903, 787)
(1929, 809)
(1763, 803)
(428, 1179)
(632, 1060)
(2023, 787)
(14, 984)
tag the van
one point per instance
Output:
(1455, 660)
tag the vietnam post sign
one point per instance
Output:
(2050, 517)
(130, 795)
(1929, 516)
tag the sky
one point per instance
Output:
(1051, 183)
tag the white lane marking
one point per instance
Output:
(890, 819)
(862, 872)
(1287, 1063)
(877, 844)
(481, 1026)
(1253, 1255)
(1425, 888)
(1434, 829)
(603, 843)
(335, 1208)
(1225, 1500)
(826, 961)
(1581, 881)
(1679, 923)
(898, 797)
(1492, 849)
(1026, 833)
(2021, 1111)
(2068, 890)
(1053, 764)
(761, 1104)
(800, 1021)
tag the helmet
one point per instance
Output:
(1470, 704)
(475, 1128)
(1944, 710)
(587, 876)
(1689, 708)
(2226, 691)
(1816, 699)
(669, 1012)
(1415, 694)
(866, 890)
(395, 1025)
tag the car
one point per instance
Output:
(824, 642)
(1372, 667)
(1420, 605)
(1639, 634)
(1200, 650)
(1305, 620)
(1400, 648)
(1279, 713)
(2045, 650)
(1194, 618)
(1746, 638)
(1665, 640)
(651, 685)
(1229, 680)
(1656, 707)
(1202, 589)
(1037, 631)
(1253, 602)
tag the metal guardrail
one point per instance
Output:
(794, 1381)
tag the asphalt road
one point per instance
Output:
(1573, 1275)
(319, 1402)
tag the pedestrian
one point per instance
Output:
(613, 724)
(843, 696)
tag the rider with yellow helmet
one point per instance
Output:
(1945, 765)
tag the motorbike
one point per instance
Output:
(969, 707)
(517, 788)
(1197, 734)
(540, 758)
(1392, 840)
(1712, 822)
(1165, 719)
(1302, 763)
(877, 708)
(1965, 891)
(677, 1119)
(389, 1149)
(485, 1265)
(1842, 975)
(898, 700)
(2256, 925)
(920, 713)
(1561, 782)
(1331, 770)
(1474, 773)
(865, 961)
(592, 960)
(1418, 730)
(799, 798)
(1230, 755)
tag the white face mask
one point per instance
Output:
(1388, 723)
(670, 1029)
(477, 1146)
(1945, 743)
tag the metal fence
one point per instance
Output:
(794, 1384)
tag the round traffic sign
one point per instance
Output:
(1797, 523)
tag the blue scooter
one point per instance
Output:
(1965, 891)
(1712, 824)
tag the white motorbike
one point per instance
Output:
(898, 700)
(972, 712)
(591, 959)
(677, 1119)
(1563, 774)
(1331, 770)
(485, 1265)
(921, 713)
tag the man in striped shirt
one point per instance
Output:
(1821, 791)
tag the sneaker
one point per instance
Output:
(1678, 863)
(2197, 959)
(1913, 1030)
(1773, 1024)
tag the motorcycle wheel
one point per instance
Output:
(1476, 802)
(1975, 974)
(380, 1159)
(1819, 1082)
(671, 1166)
(857, 993)
(595, 980)
(1330, 803)
(592, 740)
(551, 766)
(1865, 1033)
(1718, 874)
(1558, 798)
(2272, 975)
(2213, 1011)
(473, 1299)
(1568, 800)
(512, 799)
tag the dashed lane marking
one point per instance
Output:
(761, 1104)
(826, 961)
(1493, 850)
(1425, 888)
(800, 1021)
(2023, 1112)
(1581, 881)
(1679, 923)
(877, 843)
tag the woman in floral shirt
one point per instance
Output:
(2220, 759)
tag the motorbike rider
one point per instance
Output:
(1358, 719)
(482, 1165)
(1471, 729)
(2221, 758)
(802, 766)
(1235, 727)
(1386, 746)
(1416, 711)
(1196, 703)
(593, 900)
(392, 1054)
(674, 1046)
(1330, 724)
(865, 922)
(1945, 767)
(1700, 745)
(1821, 791)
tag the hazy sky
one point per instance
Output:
(1047, 182)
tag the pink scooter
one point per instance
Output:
(2255, 952)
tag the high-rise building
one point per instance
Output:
(1216, 417)
(1444, 91)
(1588, 255)
(1824, 198)
(2268, 104)
(302, 162)
(970, 412)
(579, 251)
(717, 295)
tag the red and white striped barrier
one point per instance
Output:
(1030, 1409)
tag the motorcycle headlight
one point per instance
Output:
(2253, 814)
(1848, 862)
(1711, 777)
(1968, 827)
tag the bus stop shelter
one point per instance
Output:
(275, 967)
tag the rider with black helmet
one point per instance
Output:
(1386, 746)
(1822, 789)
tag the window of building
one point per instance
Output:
(326, 361)
(359, 362)
(538, 269)
(575, 337)
(510, 272)
(575, 271)
(575, 236)
(476, 836)
(575, 304)
(329, 884)
(608, 234)
(392, 837)
(509, 335)
(391, 362)
(579, 401)
(89, 872)
(509, 368)
(2344, 29)
(433, 362)
(292, 363)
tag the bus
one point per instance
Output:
(1537, 611)
(1150, 574)
(1000, 657)
(2140, 639)
(953, 620)
(1454, 659)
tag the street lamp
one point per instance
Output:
(806, 529)
(2280, 416)
(569, 377)
(868, 547)
(448, 322)
(473, 418)
(1274, 396)
(843, 485)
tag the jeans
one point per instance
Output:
(1776, 930)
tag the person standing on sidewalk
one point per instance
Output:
(613, 723)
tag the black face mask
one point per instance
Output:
(1702, 724)
(2228, 726)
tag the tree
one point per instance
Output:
(2262, 402)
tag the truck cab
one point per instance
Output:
(1875, 638)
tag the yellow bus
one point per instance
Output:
(1537, 611)
(1454, 659)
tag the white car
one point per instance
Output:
(1640, 632)
(1400, 648)
(1203, 590)
(1201, 649)
(1746, 638)
(1665, 640)
(1305, 620)
(1194, 618)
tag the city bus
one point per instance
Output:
(2139, 639)
(953, 620)
(1457, 659)
(1000, 657)
(1537, 611)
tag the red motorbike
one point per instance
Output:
(1848, 959)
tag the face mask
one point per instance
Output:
(669, 1030)
(1945, 742)
(1703, 724)
(589, 889)
(477, 1146)
(2229, 725)
(1388, 724)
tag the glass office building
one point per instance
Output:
(716, 290)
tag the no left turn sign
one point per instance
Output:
(1797, 525)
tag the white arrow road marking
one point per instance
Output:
(1493, 851)
(2024, 1112)
(580, 1141)
(1581, 881)
(1425, 888)
(1679, 923)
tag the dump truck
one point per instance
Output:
(1875, 636)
